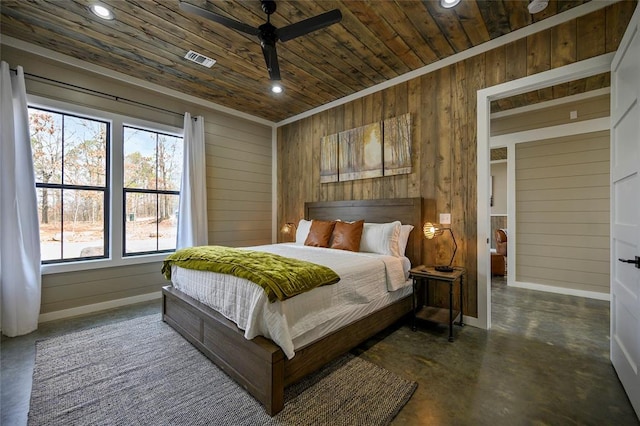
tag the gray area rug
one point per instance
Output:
(142, 372)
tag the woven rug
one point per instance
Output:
(142, 372)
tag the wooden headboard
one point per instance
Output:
(406, 210)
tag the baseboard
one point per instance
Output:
(87, 309)
(472, 321)
(562, 290)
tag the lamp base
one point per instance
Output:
(444, 268)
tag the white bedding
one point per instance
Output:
(365, 279)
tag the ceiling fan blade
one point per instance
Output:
(309, 25)
(271, 59)
(227, 22)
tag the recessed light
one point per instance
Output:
(537, 6)
(276, 88)
(101, 11)
(448, 4)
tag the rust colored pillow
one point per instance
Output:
(346, 236)
(319, 234)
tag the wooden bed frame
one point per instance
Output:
(259, 365)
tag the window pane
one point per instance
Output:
(139, 158)
(141, 223)
(169, 162)
(83, 223)
(168, 225)
(45, 130)
(85, 151)
(49, 205)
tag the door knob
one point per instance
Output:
(635, 261)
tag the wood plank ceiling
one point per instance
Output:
(375, 41)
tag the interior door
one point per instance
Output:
(625, 211)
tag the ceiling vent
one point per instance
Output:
(199, 59)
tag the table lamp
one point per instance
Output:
(289, 228)
(431, 231)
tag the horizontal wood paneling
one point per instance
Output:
(577, 263)
(562, 183)
(74, 289)
(587, 109)
(443, 109)
(566, 193)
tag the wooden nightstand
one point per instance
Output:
(421, 276)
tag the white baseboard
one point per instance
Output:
(472, 321)
(562, 290)
(86, 309)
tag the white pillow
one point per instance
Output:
(303, 230)
(405, 230)
(381, 238)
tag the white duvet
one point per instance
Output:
(364, 278)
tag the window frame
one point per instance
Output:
(156, 191)
(64, 186)
(115, 186)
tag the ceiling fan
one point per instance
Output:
(267, 33)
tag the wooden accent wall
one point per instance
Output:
(443, 108)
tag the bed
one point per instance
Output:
(259, 364)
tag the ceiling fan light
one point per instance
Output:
(276, 88)
(448, 4)
(101, 11)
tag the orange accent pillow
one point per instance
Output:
(320, 233)
(346, 236)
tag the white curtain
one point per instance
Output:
(192, 213)
(20, 278)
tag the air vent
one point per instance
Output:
(199, 59)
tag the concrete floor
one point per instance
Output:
(545, 361)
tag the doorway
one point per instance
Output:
(590, 67)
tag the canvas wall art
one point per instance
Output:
(329, 159)
(360, 153)
(371, 151)
(397, 145)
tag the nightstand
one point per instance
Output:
(421, 276)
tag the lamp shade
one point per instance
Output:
(288, 228)
(429, 230)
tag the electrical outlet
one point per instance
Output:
(445, 218)
(573, 115)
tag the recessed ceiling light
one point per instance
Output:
(276, 88)
(101, 11)
(448, 4)
(537, 6)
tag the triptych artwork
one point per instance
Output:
(375, 150)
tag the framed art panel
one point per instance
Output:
(360, 153)
(329, 159)
(397, 145)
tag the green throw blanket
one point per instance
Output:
(280, 277)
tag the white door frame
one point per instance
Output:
(586, 68)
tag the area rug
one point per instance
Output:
(142, 372)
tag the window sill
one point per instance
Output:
(86, 265)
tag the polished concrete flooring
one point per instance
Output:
(544, 362)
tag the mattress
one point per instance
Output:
(368, 282)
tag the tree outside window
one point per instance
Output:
(152, 173)
(71, 169)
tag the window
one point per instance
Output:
(71, 168)
(152, 173)
(107, 186)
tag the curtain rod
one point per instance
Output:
(98, 93)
